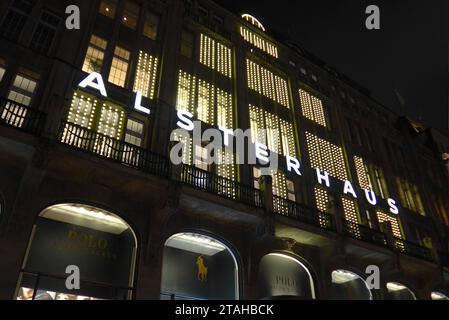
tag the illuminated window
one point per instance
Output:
(134, 132)
(312, 108)
(21, 92)
(95, 55)
(394, 222)
(82, 110)
(224, 110)
(362, 174)
(269, 129)
(326, 156)
(267, 83)
(151, 25)
(119, 67)
(350, 210)
(186, 92)
(321, 199)
(380, 185)
(226, 166)
(131, 14)
(204, 101)
(108, 8)
(111, 120)
(259, 42)
(187, 152)
(15, 19)
(146, 72)
(45, 32)
(410, 196)
(282, 187)
(291, 194)
(215, 55)
(201, 157)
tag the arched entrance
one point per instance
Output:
(284, 277)
(101, 245)
(397, 291)
(198, 267)
(437, 295)
(347, 285)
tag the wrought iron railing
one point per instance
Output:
(227, 188)
(413, 249)
(19, 116)
(303, 213)
(364, 233)
(113, 149)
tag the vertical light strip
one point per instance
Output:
(312, 108)
(259, 42)
(145, 80)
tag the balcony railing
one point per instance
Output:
(113, 149)
(213, 183)
(413, 249)
(364, 233)
(21, 117)
(303, 213)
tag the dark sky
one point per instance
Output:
(409, 53)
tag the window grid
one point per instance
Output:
(226, 166)
(321, 199)
(205, 101)
(395, 227)
(263, 82)
(146, 73)
(362, 173)
(272, 131)
(94, 55)
(134, 132)
(45, 32)
(326, 156)
(350, 213)
(151, 25)
(259, 42)
(312, 108)
(82, 110)
(119, 67)
(15, 19)
(215, 55)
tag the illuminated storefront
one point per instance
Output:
(198, 267)
(99, 243)
(284, 277)
(346, 285)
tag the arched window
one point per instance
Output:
(347, 285)
(198, 267)
(436, 295)
(284, 277)
(97, 243)
(397, 291)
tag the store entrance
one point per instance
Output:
(198, 267)
(100, 244)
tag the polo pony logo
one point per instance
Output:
(202, 269)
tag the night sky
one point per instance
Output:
(409, 53)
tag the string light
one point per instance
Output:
(258, 42)
(312, 108)
(146, 72)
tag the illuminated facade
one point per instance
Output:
(86, 179)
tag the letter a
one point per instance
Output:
(373, 20)
(73, 280)
(95, 81)
(373, 280)
(73, 20)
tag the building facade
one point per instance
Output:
(86, 179)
